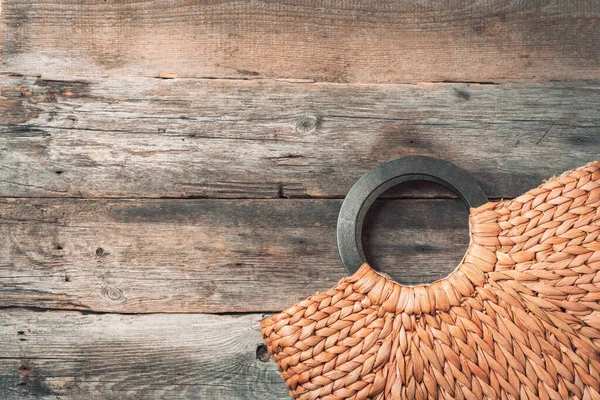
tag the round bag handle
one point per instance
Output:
(379, 179)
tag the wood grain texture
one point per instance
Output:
(208, 255)
(266, 139)
(164, 158)
(348, 41)
(46, 355)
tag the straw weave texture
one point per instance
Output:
(518, 319)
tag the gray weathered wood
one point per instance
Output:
(218, 138)
(46, 355)
(342, 41)
(208, 255)
(102, 164)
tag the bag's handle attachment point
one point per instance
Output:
(384, 176)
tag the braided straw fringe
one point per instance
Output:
(518, 319)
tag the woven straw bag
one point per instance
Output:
(518, 319)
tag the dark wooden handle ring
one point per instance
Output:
(379, 179)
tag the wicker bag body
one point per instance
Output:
(518, 319)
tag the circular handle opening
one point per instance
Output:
(384, 176)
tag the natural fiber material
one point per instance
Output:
(518, 319)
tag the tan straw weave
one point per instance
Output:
(518, 319)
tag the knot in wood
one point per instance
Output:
(307, 123)
(112, 293)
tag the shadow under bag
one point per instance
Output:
(518, 319)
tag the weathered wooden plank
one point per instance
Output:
(177, 255)
(218, 138)
(346, 41)
(70, 355)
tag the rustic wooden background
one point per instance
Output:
(171, 171)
